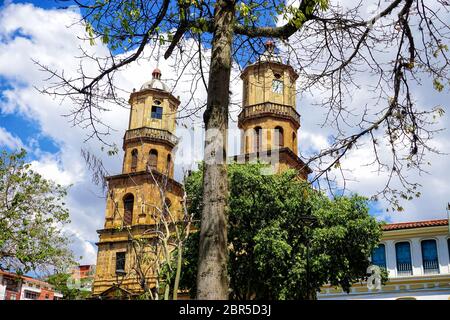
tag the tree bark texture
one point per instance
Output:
(212, 277)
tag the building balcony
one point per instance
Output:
(404, 269)
(430, 267)
(269, 109)
(152, 134)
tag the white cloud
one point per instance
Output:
(54, 45)
(313, 140)
(10, 141)
(50, 168)
(364, 178)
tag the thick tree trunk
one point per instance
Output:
(212, 277)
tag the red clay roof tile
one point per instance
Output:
(415, 224)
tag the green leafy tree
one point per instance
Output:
(60, 280)
(286, 239)
(32, 214)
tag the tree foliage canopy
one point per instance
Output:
(270, 232)
(60, 280)
(32, 214)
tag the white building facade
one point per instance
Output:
(16, 287)
(417, 258)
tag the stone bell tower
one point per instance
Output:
(134, 200)
(150, 137)
(269, 119)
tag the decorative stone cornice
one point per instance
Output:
(284, 154)
(148, 134)
(272, 65)
(172, 185)
(153, 92)
(269, 109)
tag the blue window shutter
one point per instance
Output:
(379, 256)
(430, 256)
(429, 250)
(157, 112)
(403, 252)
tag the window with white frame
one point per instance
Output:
(31, 295)
(430, 259)
(379, 256)
(403, 258)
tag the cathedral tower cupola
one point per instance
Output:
(155, 82)
(150, 138)
(269, 54)
(156, 74)
(269, 119)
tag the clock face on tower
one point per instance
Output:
(277, 86)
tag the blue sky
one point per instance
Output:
(23, 127)
(35, 122)
(46, 4)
